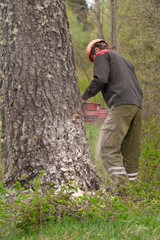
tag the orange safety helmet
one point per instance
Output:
(90, 45)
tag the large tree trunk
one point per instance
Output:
(42, 128)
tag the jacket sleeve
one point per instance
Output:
(101, 75)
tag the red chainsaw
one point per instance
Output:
(93, 112)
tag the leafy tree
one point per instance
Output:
(80, 7)
(139, 40)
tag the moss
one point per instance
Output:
(15, 31)
(3, 5)
(9, 21)
(2, 43)
(47, 3)
(19, 87)
(5, 65)
(45, 20)
(39, 7)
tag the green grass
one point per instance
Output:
(135, 227)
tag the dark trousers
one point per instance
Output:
(120, 143)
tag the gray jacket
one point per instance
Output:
(115, 77)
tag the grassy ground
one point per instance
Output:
(139, 223)
(137, 227)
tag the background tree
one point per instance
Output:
(113, 24)
(80, 38)
(80, 7)
(98, 17)
(42, 128)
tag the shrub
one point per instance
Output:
(150, 153)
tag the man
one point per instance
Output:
(114, 76)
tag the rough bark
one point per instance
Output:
(113, 21)
(42, 127)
